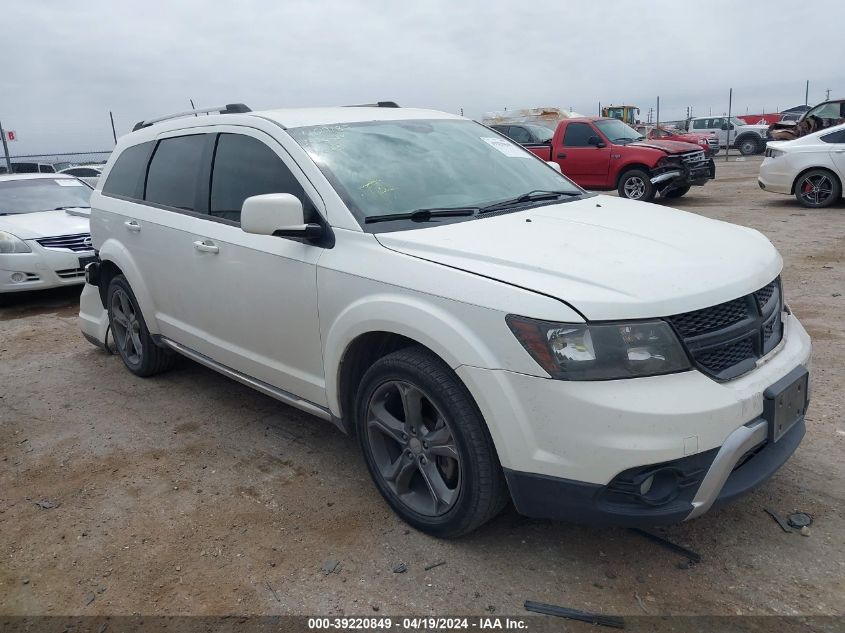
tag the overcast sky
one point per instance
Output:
(66, 64)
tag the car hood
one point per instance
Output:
(29, 226)
(753, 127)
(607, 257)
(670, 147)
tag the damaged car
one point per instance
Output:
(815, 119)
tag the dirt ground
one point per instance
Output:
(189, 493)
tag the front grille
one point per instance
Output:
(77, 243)
(726, 340)
(71, 273)
(693, 158)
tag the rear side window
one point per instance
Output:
(578, 135)
(126, 177)
(174, 172)
(834, 137)
(520, 134)
(244, 167)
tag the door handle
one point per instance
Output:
(561, 155)
(132, 225)
(206, 246)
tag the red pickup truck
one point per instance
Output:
(602, 154)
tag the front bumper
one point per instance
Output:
(684, 176)
(42, 268)
(578, 437)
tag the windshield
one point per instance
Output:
(392, 167)
(42, 194)
(617, 131)
(540, 132)
(736, 121)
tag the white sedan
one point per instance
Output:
(811, 167)
(45, 241)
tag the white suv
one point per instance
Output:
(487, 329)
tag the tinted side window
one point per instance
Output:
(175, 171)
(126, 177)
(699, 124)
(46, 169)
(577, 135)
(244, 167)
(835, 137)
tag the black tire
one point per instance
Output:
(138, 351)
(479, 491)
(817, 188)
(635, 184)
(748, 146)
(677, 192)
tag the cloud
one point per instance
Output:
(66, 65)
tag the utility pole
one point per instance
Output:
(6, 150)
(827, 95)
(113, 133)
(807, 93)
(658, 111)
(730, 125)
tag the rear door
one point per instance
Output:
(582, 161)
(837, 151)
(249, 302)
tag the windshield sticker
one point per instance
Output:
(506, 147)
(68, 182)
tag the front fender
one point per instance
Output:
(113, 251)
(440, 329)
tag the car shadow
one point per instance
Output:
(18, 305)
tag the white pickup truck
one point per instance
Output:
(748, 139)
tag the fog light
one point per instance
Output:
(18, 277)
(646, 485)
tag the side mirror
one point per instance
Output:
(724, 126)
(278, 214)
(595, 140)
(554, 166)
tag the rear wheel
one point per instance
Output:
(676, 193)
(635, 184)
(748, 146)
(426, 445)
(132, 339)
(817, 188)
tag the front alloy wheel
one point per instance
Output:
(426, 444)
(413, 448)
(636, 185)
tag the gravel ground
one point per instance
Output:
(189, 493)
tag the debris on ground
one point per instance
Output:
(805, 531)
(90, 597)
(46, 504)
(401, 568)
(641, 603)
(800, 520)
(574, 614)
(780, 520)
(694, 557)
(330, 566)
(272, 590)
(435, 564)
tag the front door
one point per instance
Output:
(582, 161)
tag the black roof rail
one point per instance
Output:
(229, 108)
(377, 104)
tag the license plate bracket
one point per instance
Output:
(785, 402)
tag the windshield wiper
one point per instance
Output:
(531, 196)
(423, 215)
(72, 206)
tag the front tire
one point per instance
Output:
(132, 339)
(426, 445)
(818, 188)
(635, 184)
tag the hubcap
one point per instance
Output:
(126, 327)
(816, 189)
(413, 448)
(634, 188)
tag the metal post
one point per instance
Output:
(728, 142)
(658, 111)
(193, 107)
(807, 93)
(113, 133)
(6, 149)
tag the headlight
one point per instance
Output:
(669, 161)
(606, 351)
(12, 244)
